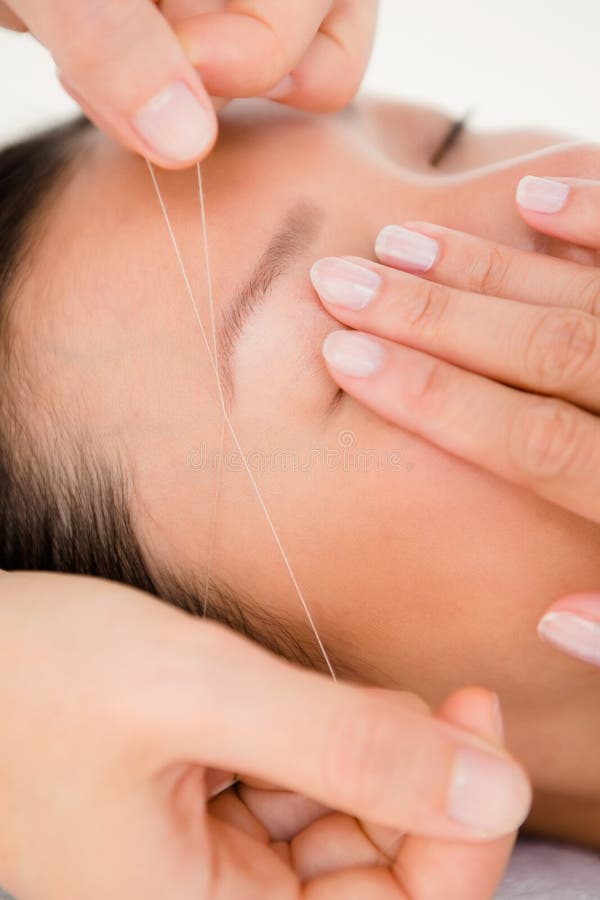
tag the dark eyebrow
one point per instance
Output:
(297, 232)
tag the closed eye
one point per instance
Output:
(450, 140)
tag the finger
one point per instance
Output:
(8, 19)
(333, 844)
(548, 351)
(340, 745)
(572, 625)
(546, 445)
(330, 73)
(566, 208)
(250, 48)
(430, 869)
(470, 263)
(339, 842)
(283, 814)
(355, 884)
(229, 808)
(337, 854)
(126, 63)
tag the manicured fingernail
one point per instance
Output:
(575, 634)
(397, 246)
(175, 124)
(542, 195)
(353, 353)
(281, 89)
(488, 794)
(344, 283)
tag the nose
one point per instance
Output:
(482, 201)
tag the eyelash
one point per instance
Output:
(450, 140)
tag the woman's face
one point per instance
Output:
(420, 571)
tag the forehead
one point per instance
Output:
(106, 268)
(105, 316)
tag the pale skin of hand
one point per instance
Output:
(516, 333)
(115, 59)
(123, 713)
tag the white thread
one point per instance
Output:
(226, 418)
(215, 505)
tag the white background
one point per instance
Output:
(517, 62)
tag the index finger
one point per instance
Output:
(464, 261)
(124, 64)
(247, 50)
(348, 748)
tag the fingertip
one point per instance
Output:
(475, 709)
(542, 195)
(176, 126)
(585, 602)
(572, 625)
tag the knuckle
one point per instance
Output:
(561, 347)
(432, 386)
(97, 42)
(362, 751)
(588, 295)
(425, 305)
(267, 57)
(545, 440)
(488, 271)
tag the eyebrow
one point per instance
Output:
(297, 232)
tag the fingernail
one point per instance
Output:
(404, 248)
(175, 124)
(488, 794)
(542, 195)
(281, 89)
(344, 283)
(353, 353)
(577, 635)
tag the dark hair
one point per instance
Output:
(62, 507)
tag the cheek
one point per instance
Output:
(433, 575)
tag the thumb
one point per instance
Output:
(349, 748)
(124, 64)
(572, 624)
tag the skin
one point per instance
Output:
(133, 735)
(480, 320)
(445, 569)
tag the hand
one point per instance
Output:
(134, 67)
(516, 333)
(116, 705)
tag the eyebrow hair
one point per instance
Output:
(297, 232)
